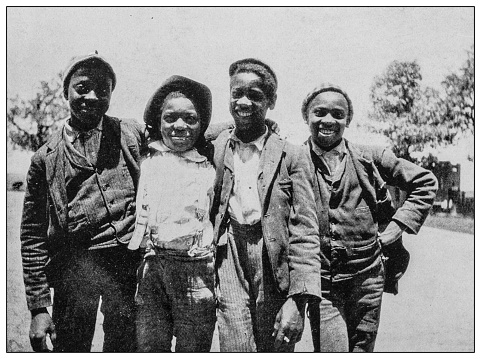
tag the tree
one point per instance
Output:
(460, 96)
(30, 123)
(415, 118)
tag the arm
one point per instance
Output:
(33, 237)
(420, 185)
(304, 258)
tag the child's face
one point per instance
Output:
(179, 124)
(89, 93)
(248, 102)
(327, 118)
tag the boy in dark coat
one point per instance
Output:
(352, 202)
(78, 217)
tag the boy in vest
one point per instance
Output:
(78, 217)
(267, 258)
(352, 203)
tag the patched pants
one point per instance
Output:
(175, 298)
(248, 300)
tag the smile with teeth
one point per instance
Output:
(327, 131)
(244, 113)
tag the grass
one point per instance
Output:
(450, 223)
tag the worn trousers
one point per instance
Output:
(80, 281)
(347, 319)
(175, 298)
(248, 300)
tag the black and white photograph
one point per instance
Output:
(240, 179)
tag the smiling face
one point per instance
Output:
(89, 93)
(179, 124)
(249, 104)
(327, 118)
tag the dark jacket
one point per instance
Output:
(44, 229)
(289, 221)
(374, 167)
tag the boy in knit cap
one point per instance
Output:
(176, 285)
(352, 206)
(79, 215)
(267, 256)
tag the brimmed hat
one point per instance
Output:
(90, 60)
(326, 87)
(198, 93)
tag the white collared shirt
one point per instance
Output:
(245, 204)
(174, 194)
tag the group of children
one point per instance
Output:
(248, 231)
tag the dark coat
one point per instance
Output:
(375, 167)
(289, 221)
(44, 220)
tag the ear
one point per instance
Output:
(272, 105)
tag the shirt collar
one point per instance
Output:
(340, 148)
(72, 133)
(258, 142)
(191, 155)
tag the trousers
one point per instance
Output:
(84, 278)
(175, 297)
(347, 318)
(248, 300)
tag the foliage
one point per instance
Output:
(460, 95)
(30, 123)
(415, 118)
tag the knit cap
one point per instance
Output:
(326, 87)
(90, 60)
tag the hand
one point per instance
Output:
(289, 324)
(41, 325)
(273, 125)
(391, 234)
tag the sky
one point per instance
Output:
(304, 45)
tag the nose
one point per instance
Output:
(180, 124)
(243, 101)
(91, 95)
(328, 120)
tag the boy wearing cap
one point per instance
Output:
(79, 215)
(267, 256)
(176, 286)
(352, 206)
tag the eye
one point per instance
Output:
(191, 120)
(338, 114)
(256, 96)
(81, 89)
(321, 112)
(168, 119)
(235, 94)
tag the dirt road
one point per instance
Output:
(434, 311)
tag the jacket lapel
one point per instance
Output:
(270, 158)
(55, 172)
(364, 171)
